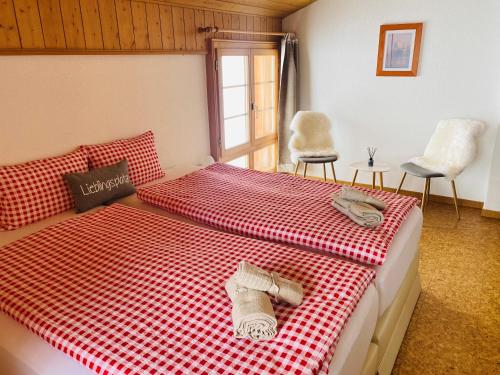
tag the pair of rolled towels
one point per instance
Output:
(250, 289)
(360, 207)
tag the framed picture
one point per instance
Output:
(399, 49)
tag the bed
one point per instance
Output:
(403, 250)
(127, 229)
(397, 282)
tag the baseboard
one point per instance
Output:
(417, 194)
(432, 197)
(442, 199)
(490, 213)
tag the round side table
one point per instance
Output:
(378, 168)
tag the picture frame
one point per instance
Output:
(399, 49)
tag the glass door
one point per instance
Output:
(248, 95)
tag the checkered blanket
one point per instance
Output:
(124, 291)
(279, 207)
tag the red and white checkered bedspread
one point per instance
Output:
(279, 207)
(124, 291)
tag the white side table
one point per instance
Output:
(379, 168)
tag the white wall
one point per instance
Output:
(459, 76)
(51, 104)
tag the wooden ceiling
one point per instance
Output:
(273, 8)
(133, 26)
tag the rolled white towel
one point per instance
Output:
(252, 313)
(352, 194)
(361, 213)
(282, 289)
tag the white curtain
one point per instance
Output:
(288, 98)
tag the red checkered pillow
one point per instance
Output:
(140, 152)
(36, 190)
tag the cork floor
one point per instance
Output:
(455, 328)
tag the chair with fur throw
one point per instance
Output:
(312, 142)
(451, 149)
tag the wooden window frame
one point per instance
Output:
(214, 96)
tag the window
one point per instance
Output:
(243, 94)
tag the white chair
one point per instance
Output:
(312, 142)
(451, 149)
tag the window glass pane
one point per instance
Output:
(264, 95)
(235, 94)
(241, 162)
(264, 68)
(265, 122)
(235, 101)
(236, 131)
(265, 158)
(234, 70)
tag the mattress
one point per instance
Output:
(29, 354)
(162, 266)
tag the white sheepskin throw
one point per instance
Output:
(311, 136)
(452, 148)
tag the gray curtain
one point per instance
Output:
(288, 98)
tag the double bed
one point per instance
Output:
(373, 332)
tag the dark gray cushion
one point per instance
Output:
(317, 159)
(100, 185)
(418, 171)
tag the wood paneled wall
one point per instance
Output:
(116, 26)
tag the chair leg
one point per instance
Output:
(333, 172)
(427, 193)
(424, 195)
(455, 199)
(324, 172)
(354, 178)
(401, 183)
(305, 169)
(296, 168)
